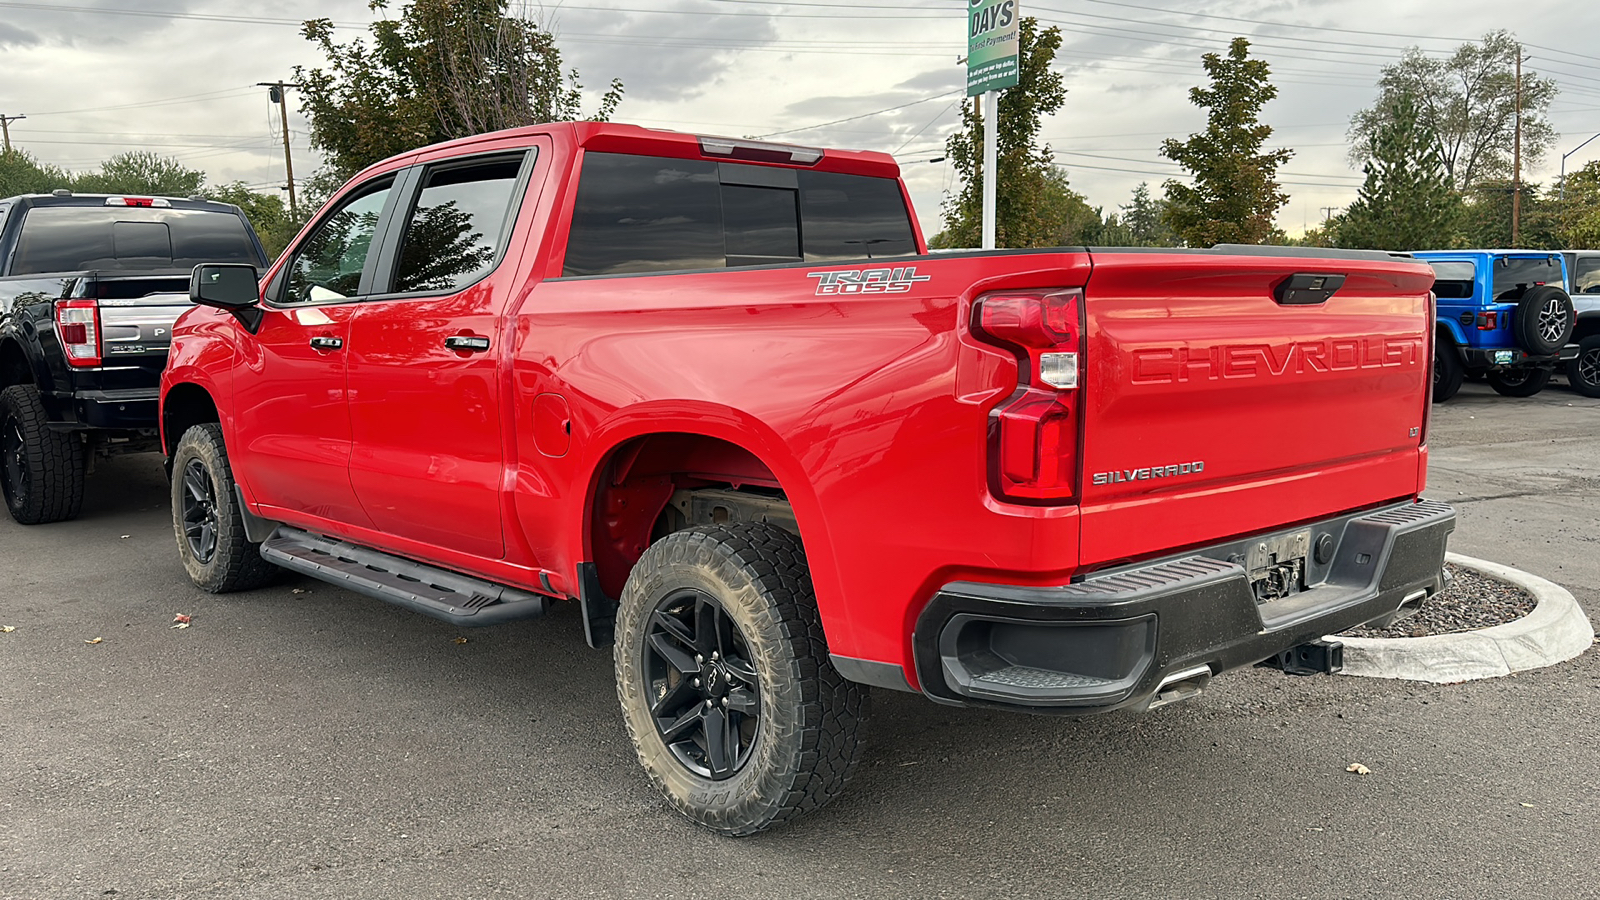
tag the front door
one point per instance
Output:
(292, 432)
(425, 363)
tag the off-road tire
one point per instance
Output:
(42, 471)
(1448, 372)
(809, 733)
(1523, 382)
(235, 564)
(1544, 320)
(1583, 373)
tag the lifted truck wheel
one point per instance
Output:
(206, 518)
(1447, 371)
(41, 471)
(1583, 373)
(726, 687)
(1523, 382)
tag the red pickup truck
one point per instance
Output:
(717, 393)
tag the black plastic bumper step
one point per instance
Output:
(451, 596)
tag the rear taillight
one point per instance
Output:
(78, 325)
(142, 202)
(1431, 345)
(1489, 321)
(1033, 435)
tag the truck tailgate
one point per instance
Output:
(1213, 410)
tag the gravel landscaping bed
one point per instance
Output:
(1472, 601)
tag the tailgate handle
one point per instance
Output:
(1307, 288)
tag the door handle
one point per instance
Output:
(326, 343)
(466, 343)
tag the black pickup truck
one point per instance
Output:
(89, 288)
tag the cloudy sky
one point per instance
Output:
(95, 77)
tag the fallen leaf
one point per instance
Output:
(7, 629)
(180, 617)
(461, 640)
(95, 641)
(1358, 768)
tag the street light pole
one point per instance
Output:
(1563, 198)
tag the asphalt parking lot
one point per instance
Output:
(303, 742)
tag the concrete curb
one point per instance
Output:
(1556, 630)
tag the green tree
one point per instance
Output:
(1235, 194)
(266, 212)
(444, 69)
(1033, 206)
(1406, 202)
(1145, 218)
(1578, 208)
(1486, 217)
(1468, 102)
(141, 172)
(20, 173)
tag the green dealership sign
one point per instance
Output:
(993, 61)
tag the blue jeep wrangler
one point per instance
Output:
(1503, 314)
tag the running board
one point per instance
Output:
(459, 599)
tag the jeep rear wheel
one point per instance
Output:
(41, 471)
(1583, 373)
(1523, 382)
(733, 705)
(1447, 371)
(1544, 320)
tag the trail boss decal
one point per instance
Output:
(867, 281)
(1121, 475)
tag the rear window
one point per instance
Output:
(1514, 276)
(71, 238)
(1586, 275)
(655, 214)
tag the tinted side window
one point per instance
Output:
(1586, 275)
(328, 265)
(1453, 280)
(71, 238)
(454, 235)
(853, 217)
(645, 214)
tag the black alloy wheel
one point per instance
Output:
(199, 511)
(1519, 382)
(1583, 372)
(13, 451)
(1543, 320)
(706, 693)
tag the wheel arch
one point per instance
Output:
(636, 466)
(15, 365)
(1451, 329)
(183, 406)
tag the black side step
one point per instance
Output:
(459, 599)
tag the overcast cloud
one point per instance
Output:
(95, 77)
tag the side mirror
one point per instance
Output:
(229, 286)
(234, 287)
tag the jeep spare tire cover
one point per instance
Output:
(1544, 320)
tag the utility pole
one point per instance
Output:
(276, 91)
(5, 127)
(1327, 214)
(1516, 165)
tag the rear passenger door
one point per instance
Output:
(425, 358)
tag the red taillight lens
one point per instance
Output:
(1489, 321)
(78, 325)
(1033, 435)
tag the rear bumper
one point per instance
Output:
(1114, 639)
(132, 408)
(1486, 358)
